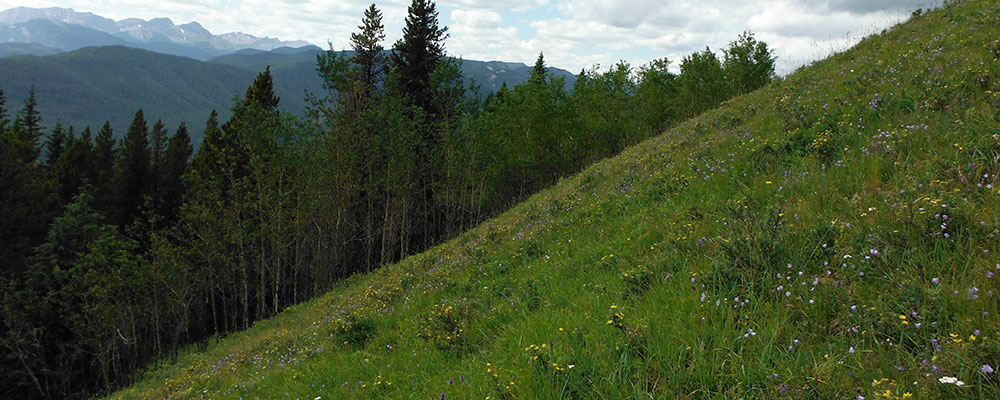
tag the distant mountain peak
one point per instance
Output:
(158, 31)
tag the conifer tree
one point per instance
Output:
(55, 144)
(3, 112)
(175, 163)
(261, 92)
(418, 53)
(538, 71)
(30, 123)
(132, 171)
(74, 167)
(104, 171)
(24, 214)
(368, 51)
(157, 158)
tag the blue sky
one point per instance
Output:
(573, 34)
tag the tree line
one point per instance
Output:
(118, 253)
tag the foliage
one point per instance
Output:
(871, 288)
(153, 253)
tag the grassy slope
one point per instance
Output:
(784, 245)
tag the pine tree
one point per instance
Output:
(3, 112)
(104, 171)
(24, 214)
(368, 51)
(132, 171)
(157, 158)
(418, 53)
(261, 92)
(74, 167)
(55, 144)
(171, 185)
(538, 71)
(30, 123)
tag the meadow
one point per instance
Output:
(832, 235)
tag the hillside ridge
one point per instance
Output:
(832, 235)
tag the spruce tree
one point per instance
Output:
(55, 144)
(368, 51)
(74, 167)
(104, 164)
(3, 112)
(157, 157)
(418, 53)
(261, 92)
(538, 71)
(132, 171)
(174, 165)
(30, 123)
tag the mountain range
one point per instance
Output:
(66, 29)
(87, 69)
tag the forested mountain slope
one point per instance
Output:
(92, 85)
(833, 235)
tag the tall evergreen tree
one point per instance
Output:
(3, 112)
(132, 171)
(74, 167)
(24, 214)
(104, 171)
(30, 122)
(368, 51)
(175, 163)
(261, 92)
(55, 144)
(538, 71)
(157, 157)
(418, 53)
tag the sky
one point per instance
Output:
(572, 34)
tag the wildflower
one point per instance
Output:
(950, 380)
(987, 369)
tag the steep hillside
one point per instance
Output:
(834, 235)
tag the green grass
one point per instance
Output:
(790, 244)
